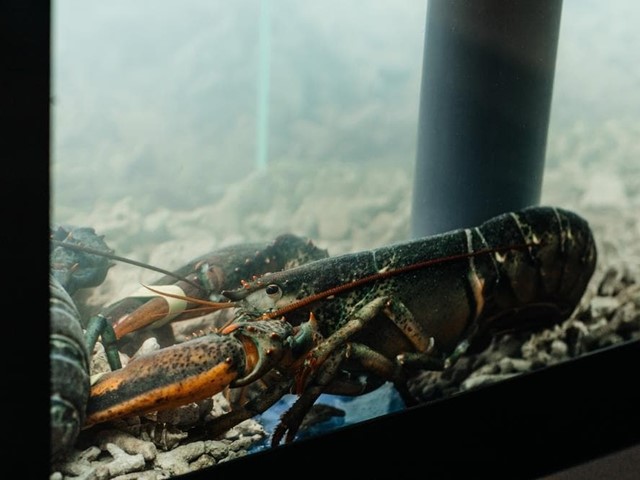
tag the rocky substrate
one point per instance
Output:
(163, 446)
(158, 446)
(155, 447)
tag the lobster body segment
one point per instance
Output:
(464, 281)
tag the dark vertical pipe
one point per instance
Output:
(487, 83)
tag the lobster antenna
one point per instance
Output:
(118, 258)
(386, 274)
(207, 303)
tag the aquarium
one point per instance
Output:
(234, 191)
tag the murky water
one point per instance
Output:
(160, 141)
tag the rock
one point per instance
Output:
(482, 380)
(123, 462)
(604, 306)
(127, 442)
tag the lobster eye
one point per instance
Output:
(273, 291)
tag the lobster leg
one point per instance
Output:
(253, 407)
(322, 363)
(292, 419)
(396, 312)
(376, 363)
(324, 381)
(402, 317)
(99, 327)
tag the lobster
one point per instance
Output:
(128, 322)
(70, 271)
(347, 324)
(81, 259)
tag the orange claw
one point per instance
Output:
(167, 378)
(165, 307)
(197, 369)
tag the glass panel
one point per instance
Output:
(191, 135)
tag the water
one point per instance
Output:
(381, 401)
(156, 128)
(162, 103)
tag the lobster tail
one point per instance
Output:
(546, 279)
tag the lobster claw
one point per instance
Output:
(271, 344)
(198, 368)
(167, 378)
